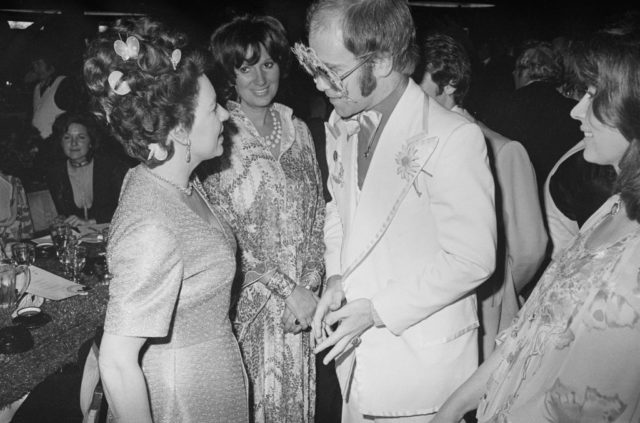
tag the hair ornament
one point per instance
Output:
(116, 83)
(156, 151)
(128, 50)
(176, 55)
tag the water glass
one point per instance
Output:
(10, 289)
(23, 253)
(73, 259)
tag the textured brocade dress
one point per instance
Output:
(276, 209)
(172, 275)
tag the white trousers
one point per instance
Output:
(350, 414)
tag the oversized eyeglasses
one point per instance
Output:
(310, 62)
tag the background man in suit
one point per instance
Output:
(522, 237)
(410, 229)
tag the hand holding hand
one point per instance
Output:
(355, 317)
(289, 322)
(331, 300)
(302, 303)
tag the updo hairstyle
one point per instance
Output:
(231, 43)
(160, 97)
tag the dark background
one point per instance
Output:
(509, 22)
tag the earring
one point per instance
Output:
(188, 150)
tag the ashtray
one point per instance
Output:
(15, 339)
(31, 317)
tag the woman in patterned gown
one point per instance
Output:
(572, 353)
(171, 256)
(270, 191)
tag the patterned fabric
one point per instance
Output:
(15, 219)
(276, 209)
(572, 354)
(172, 275)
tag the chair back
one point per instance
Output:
(43, 210)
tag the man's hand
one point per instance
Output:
(355, 317)
(331, 300)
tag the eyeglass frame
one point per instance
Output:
(331, 76)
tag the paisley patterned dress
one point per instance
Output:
(276, 209)
(573, 353)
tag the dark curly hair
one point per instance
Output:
(448, 63)
(85, 119)
(161, 98)
(231, 43)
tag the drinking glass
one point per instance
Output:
(23, 253)
(74, 258)
(10, 291)
(60, 235)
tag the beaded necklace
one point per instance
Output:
(273, 139)
(186, 191)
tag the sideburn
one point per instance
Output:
(368, 82)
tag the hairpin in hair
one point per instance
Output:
(116, 83)
(128, 50)
(176, 55)
(156, 151)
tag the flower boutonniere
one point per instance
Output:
(407, 161)
(408, 164)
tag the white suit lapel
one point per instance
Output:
(403, 151)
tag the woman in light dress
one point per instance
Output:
(172, 255)
(572, 354)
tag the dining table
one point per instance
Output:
(74, 320)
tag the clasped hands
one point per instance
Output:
(299, 309)
(354, 318)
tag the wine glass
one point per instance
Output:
(60, 236)
(74, 258)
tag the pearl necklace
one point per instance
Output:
(273, 139)
(186, 191)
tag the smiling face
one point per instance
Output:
(604, 144)
(76, 143)
(328, 44)
(257, 84)
(206, 132)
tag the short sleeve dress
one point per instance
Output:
(573, 354)
(172, 275)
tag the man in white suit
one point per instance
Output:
(410, 230)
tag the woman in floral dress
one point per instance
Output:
(572, 353)
(270, 191)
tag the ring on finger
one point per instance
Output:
(356, 341)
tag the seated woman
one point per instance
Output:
(168, 353)
(571, 355)
(84, 187)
